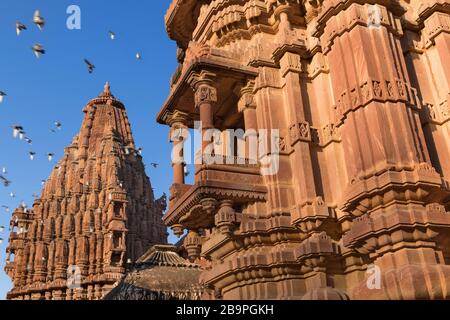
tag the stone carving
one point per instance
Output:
(368, 187)
(86, 225)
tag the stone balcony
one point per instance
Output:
(194, 205)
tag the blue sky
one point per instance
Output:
(56, 87)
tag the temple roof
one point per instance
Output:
(160, 274)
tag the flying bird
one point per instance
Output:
(1, 240)
(2, 228)
(12, 195)
(4, 171)
(50, 156)
(5, 181)
(90, 66)
(17, 129)
(58, 125)
(154, 165)
(38, 49)
(43, 182)
(6, 208)
(38, 20)
(112, 35)
(32, 155)
(28, 140)
(20, 27)
(2, 96)
(138, 56)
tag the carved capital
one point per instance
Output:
(247, 100)
(203, 85)
(177, 119)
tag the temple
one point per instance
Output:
(359, 94)
(97, 214)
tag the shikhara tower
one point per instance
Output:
(97, 213)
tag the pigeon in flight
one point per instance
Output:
(12, 195)
(2, 228)
(20, 27)
(90, 66)
(38, 49)
(6, 208)
(5, 181)
(32, 155)
(138, 56)
(4, 171)
(112, 35)
(43, 182)
(28, 140)
(50, 156)
(58, 125)
(2, 96)
(17, 130)
(38, 20)
(154, 165)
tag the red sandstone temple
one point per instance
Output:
(360, 91)
(97, 214)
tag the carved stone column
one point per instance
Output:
(205, 100)
(178, 135)
(247, 106)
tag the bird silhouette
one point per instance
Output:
(2, 96)
(20, 27)
(5, 181)
(32, 155)
(154, 165)
(112, 35)
(38, 20)
(90, 66)
(38, 50)
(17, 130)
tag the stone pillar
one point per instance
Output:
(205, 100)
(178, 135)
(247, 106)
(429, 53)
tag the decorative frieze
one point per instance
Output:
(300, 131)
(395, 90)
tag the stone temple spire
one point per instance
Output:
(96, 215)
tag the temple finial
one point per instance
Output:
(107, 89)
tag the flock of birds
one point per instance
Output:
(19, 131)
